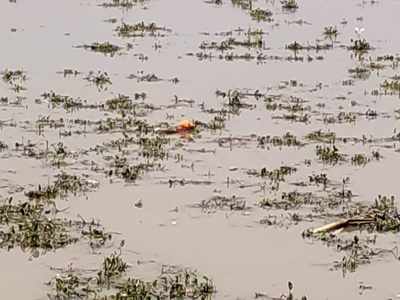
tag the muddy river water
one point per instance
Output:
(293, 110)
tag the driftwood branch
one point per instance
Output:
(342, 224)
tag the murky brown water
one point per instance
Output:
(241, 255)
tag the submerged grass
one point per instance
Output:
(135, 136)
(105, 48)
(139, 29)
(112, 281)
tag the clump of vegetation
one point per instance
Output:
(138, 29)
(319, 179)
(244, 4)
(216, 2)
(125, 123)
(9, 76)
(14, 79)
(94, 233)
(359, 159)
(183, 284)
(45, 193)
(100, 79)
(221, 46)
(26, 226)
(321, 137)
(65, 184)
(278, 174)
(112, 282)
(113, 267)
(360, 73)
(329, 154)
(290, 295)
(253, 41)
(391, 85)
(130, 172)
(120, 103)
(289, 107)
(153, 147)
(287, 139)
(386, 213)
(287, 200)
(341, 117)
(34, 226)
(284, 220)
(105, 48)
(357, 251)
(358, 254)
(67, 102)
(360, 45)
(259, 14)
(382, 216)
(145, 77)
(330, 32)
(56, 154)
(69, 286)
(294, 117)
(122, 3)
(216, 123)
(219, 202)
(3, 146)
(124, 104)
(289, 4)
(295, 46)
(69, 72)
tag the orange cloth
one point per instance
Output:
(185, 125)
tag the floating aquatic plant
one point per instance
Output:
(289, 4)
(259, 14)
(105, 48)
(138, 29)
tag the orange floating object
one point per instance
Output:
(185, 125)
